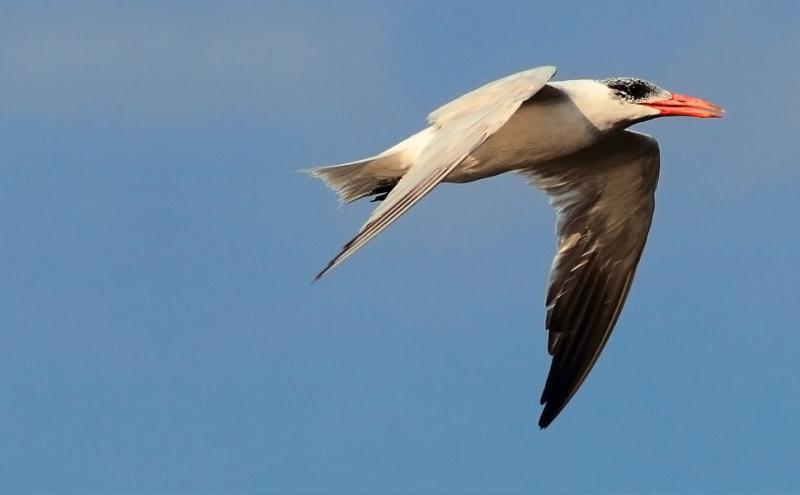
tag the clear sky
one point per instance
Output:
(158, 329)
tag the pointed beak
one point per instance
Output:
(688, 106)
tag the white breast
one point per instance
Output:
(550, 125)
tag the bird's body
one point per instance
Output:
(552, 123)
(567, 138)
(547, 126)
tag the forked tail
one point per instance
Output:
(375, 176)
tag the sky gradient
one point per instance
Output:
(158, 329)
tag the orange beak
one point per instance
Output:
(688, 106)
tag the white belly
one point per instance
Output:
(542, 129)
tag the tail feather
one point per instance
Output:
(355, 180)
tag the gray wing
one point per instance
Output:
(460, 127)
(604, 197)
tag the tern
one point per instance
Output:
(568, 139)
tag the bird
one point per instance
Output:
(569, 139)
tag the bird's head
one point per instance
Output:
(644, 100)
(623, 101)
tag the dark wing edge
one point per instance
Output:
(604, 197)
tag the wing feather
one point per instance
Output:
(460, 127)
(604, 197)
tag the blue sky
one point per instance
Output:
(159, 331)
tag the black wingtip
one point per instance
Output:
(548, 415)
(320, 274)
(327, 267)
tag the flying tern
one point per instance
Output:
(568, 139)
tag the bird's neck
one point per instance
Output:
(604, 110)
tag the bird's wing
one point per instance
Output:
(459, 128)
(604, 197)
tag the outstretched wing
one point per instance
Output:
(459, 128)
(604, 197)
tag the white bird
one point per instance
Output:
(567, 138)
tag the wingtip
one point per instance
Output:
(552, 69)
(320, 274)
(546, 71)
(547, 417)
(552, 408)
(331, 265)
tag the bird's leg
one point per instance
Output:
(383, 189)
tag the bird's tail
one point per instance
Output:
(375, 176)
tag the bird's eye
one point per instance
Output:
(633, 89)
